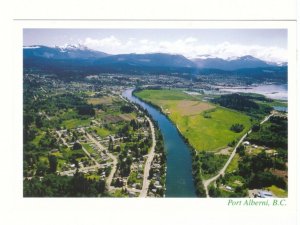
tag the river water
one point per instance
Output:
(179, 181)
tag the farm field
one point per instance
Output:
(102, 100)
(205, 125)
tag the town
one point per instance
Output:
(75, 129)
(82, 137)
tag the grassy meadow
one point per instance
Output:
(205, 125)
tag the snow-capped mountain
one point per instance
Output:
(79, 58)
(64, 52)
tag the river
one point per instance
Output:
(179, 180)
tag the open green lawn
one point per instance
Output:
(164, 95)
(37, 138)
(211, 133)
(102, 100)
(235, 181)
(234, 164)
(206, 126)
(118, 193)
(73, 123)
(278, 191)
(274, 103)
(60, 164)
(88, 148)
(93, 177)
(102, 132)
(133, 178)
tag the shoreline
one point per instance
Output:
(192, 150)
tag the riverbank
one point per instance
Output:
(179, 177)
(155, 151)
(197, 177)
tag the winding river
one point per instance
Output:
(179, 181)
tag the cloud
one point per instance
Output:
(230, 51)
(110, 42)
(189, 47)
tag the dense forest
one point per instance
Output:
(272, 134)
(52, 185)
(258, 169)
(244, 103)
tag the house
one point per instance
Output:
(246, 143)
(158, 186)
(265, 194)
(228, 188)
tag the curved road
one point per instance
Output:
(149, 160)
(207, 182)
(150, 157)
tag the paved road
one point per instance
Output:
(60, 136)
(83, 148)
(115, 161)
(89, 155)
(83, 169)
(207, 182)
(149, 160)
(150, 156)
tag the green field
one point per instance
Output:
(102, 132)
(164, 95)
(206, 126)
(73, 123)
(88, 148)
(234, 164)
(278, 191)
(37, 139)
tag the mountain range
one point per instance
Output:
(81, 59)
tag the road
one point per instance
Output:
(83, 169)
(115, 161)
(150, 156)
(83, 148)
(89, 155)
(266, 118)
(207, 182)
(149, 160)
(60, 136)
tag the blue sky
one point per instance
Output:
(267, 44)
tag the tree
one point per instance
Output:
(86, 110)
(237, 127)
(236, 101)
(126, 109)
(101, 186)
(118, 148)
(214, 192)
(111, 144)
(38, 122)
(77, 146)
(52, 163)
(256, 127)
(241, 150)
(134, 124)
(41, 168)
